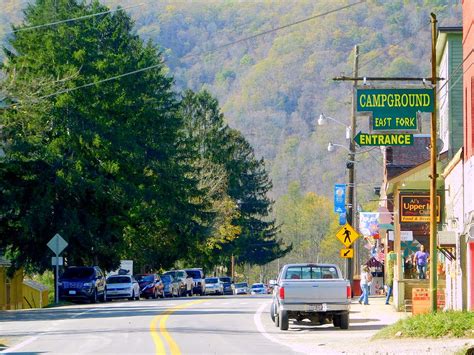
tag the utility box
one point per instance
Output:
(35, 295)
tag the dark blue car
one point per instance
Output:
(82, 283)
(227, 281)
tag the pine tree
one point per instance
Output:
(99, 165)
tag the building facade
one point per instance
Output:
(468, 113)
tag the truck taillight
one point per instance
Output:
(282, 293)
(349, 292)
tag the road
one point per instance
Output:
(198, 325)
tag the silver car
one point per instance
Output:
(214, 286)
(122, 286)
(241, 288)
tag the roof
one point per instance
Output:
(35, 285)
(443, 33)
(416, 178)
(458, 157)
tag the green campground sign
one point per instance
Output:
(364, 139)
(395, 109)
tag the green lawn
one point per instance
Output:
(438, 325)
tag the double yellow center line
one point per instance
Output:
(158, 330)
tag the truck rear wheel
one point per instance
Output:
(344, 323)
(283, 318)
(336, 320)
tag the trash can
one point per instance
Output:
(356, 290)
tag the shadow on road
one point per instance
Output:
(108, 309)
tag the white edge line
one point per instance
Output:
(82, 313)
(32, 339)
(257, 318)
(19, 346)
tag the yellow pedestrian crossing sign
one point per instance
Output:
(347, 253)
(347, 235)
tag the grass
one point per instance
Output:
(2, 345)
(452, 324)
(47, 279)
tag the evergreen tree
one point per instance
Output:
(249, 184)
(99, 165)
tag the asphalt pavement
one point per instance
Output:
(200, 325)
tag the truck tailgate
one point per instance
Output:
(315, 291)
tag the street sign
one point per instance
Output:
(346, 253)
(347, 235)
(57, 244)
(395, 109)
(57, 260)
(364, 139)
(340, 198)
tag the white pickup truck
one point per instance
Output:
(317, 292)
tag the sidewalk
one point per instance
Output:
(379, 315)
(365, 322)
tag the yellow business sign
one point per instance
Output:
(346, 253)
(347, 235)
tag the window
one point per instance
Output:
(78, 273)
(389, 155)
(119, 280)
(311, 272)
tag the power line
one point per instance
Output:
(73, 19)
(272, 30)
(451, 76)
(64, 91)
(393, 45)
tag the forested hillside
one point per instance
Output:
(274, 86)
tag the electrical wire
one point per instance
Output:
(392, 45)
(451, 75)
(226, 45)
(273, 30)
(74, 19)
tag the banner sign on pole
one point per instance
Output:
(340, 198)
(369, 223)
(342, 218)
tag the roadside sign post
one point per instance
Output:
(57, 245)
(347, 236)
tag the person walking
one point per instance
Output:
(189, 285)
(390, 266)
(365, 280)
(421, 260)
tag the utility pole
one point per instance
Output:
(433, 176)
(232, 267)
(351, 165)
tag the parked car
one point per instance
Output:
(227, 282)
(241, 288)
(150, 285)
(317, 292)
(179, 279)
(258, 289)
(82, 283)
(213, 286)
(122, 286)
(168, 285)
(198, 278)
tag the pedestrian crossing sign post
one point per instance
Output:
(347, 253)
(347, 235)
